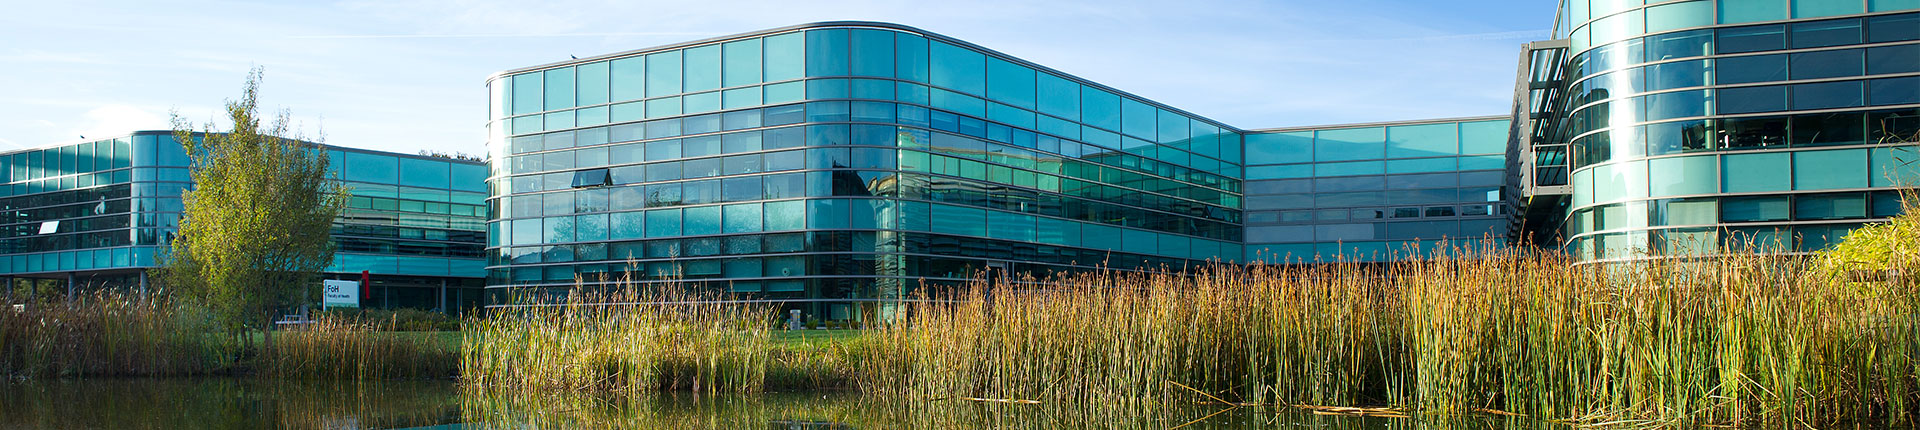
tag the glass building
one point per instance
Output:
(98, 214)
(1373, 192)
(830, 166)
(1684, 127)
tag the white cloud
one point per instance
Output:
(114, 119)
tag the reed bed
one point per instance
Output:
(629, 340)
(108, 334)
(1739, 338)
(341, 347)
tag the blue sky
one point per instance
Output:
(408, 76)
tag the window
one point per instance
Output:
(1893, 59)
(1822, 33)
(1679, 74)
(1742, 133)
(1830, 206)
(1010, 83)
(872, 53)
(740, 62)
(1893, 28)
(1750, 69)
(1754, 209)
(1827, 170)
(827, 52)
(1686, 211)
(1677, 176)
(1678, 15)
(1829, 129)
(1752, 99)
(1827, 95)
(957, 68)
(1743, 173)
(663, 74)
(628, 79)
(702, 68)
(590, 178)
(1894, 91)
(1748, 39)
(1826, 64)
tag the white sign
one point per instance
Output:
(340, 294)
(49, 227)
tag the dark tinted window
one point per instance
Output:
(1749, 69)
(1826, 64)
(1894, 91)
(1752, 99)
(1679, 45)
(1893, 28)
(1826, 33)
(1827, 95)
(1893, 59)
(1750, 39)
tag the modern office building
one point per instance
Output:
(1685, 127)
(1373, 192)
(834, 164)
(98, 214)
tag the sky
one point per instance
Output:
(408, 76)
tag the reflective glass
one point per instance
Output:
(1894, 91)
(786, 58)
(1739, 11)
(1815, 34)
(663, 75)
(827, 52)
(1010, 83)
(741, 63)
(957, 68)
(592, 83)
(1829, 206)
(701, 68)
(1827, 170)
(1749, 39)
(872, 53)
(1826, 64)
(1350, 144)
(628, 79)
(1752, 99)
(1743, 173)
(1828, 95)
(1750, 69)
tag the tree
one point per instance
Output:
(254, 235)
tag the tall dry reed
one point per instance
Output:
(630, 339)
(339, 347)
(1733, 338)
(108, 334)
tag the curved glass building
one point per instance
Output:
(833, 165)
(1683, 127)
(101, 213)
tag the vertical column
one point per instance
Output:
(443, 297)
(143, 285)
(69, 288)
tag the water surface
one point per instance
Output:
(238, 403)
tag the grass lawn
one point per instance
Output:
(813, 338)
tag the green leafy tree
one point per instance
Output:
(254, 235)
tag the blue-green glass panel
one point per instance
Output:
(957, 68)
(1484, 137)
(742, 218)
(910, 57)
(701, 67)
(663, 74)
(700, 221)
(786, 57)
(559, 88)
(661, 223)
(1483, 162)
(590, 228)
(526, 93)
(1274, 148)
(1894, 166)
(1099, 108)
(956, 102)
(628, 112)
(425, 173)
(1742, 173)
(827, 214)
(1172, 127)
(740, 97)
(1887, 5)
(628, 78)
(959, 220)
(1679, 15)
(785, 215)
(588, 117)
(740, 63)
(1679, 176)
(1422, 165)
(1138, 118)
(1828, 170)
(1010, 83)
(560, 229)
(1350, 168)
(1820, 8)
(663, 107)
(701, 103)
(821, 89)
(591, 86)
(1350, 144)
(1739, 11)
(1058, 96)
(785, 92)
(1010, 226)
(827, 52)
(1426, 140)
(872, 53)
(379, 169)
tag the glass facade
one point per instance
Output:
(101, 212)
(834, 164)
(1373, 193)
(1696, 126)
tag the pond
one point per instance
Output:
(230, 403)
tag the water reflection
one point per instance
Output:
(248, 403)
